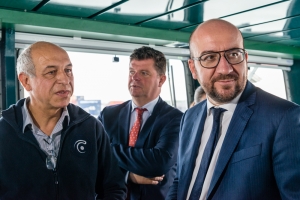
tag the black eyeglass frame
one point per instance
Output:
(218, 52)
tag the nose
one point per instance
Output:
(135, 76)
(62, 77)
(224, 67)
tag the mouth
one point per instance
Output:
(226, 80)
(63, 93)
(134, 86)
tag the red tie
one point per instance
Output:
(133, 135)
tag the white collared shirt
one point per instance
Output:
(146, 114)
(40, 135)
(149, 106)
(225, 120)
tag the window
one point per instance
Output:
(268, 79)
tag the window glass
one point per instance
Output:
(175, 79)
(98, 80)
(268, 79)
(179, 84)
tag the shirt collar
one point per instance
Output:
(149, 106)
(28, 120)
(228, 106)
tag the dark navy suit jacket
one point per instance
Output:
(155, 152)
(260, 155)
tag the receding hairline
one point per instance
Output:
(27, 59)
(42, 45)
(213, 24)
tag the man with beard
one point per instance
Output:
(144, 131)
(242, 142)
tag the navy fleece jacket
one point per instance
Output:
(85, 165)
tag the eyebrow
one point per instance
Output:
(210, 51)
(50, 67)
(54, 67)
(140, 70)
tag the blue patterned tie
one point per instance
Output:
(207, 154)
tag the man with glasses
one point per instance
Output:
(50, 149)
(242, 142)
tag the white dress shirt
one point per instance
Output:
(225, 120)
(146, 114)
(149, 106)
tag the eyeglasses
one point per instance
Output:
(212, 59)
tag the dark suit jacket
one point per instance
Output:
(155, 151)
(260, 155)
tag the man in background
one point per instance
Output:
(144, 131)
(50, 149)
(199, 96)
(242, 143)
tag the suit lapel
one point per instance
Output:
(124, 121)
(191, 151)
(235, 130)
(147, 128)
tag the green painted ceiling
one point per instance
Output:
(269, 27)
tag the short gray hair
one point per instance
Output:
(199, 95)
(25, 63)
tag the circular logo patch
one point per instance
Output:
(82, 147)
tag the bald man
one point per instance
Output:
(242, 142)
(199, 95)
(50, 149)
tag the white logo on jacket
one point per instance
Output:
(80, 146)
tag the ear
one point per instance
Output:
(162, 79)
(25, 81)
(246, 56)
(192, 68)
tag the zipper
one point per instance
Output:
(64, 133)
(56, 182)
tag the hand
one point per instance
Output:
(144, 180)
